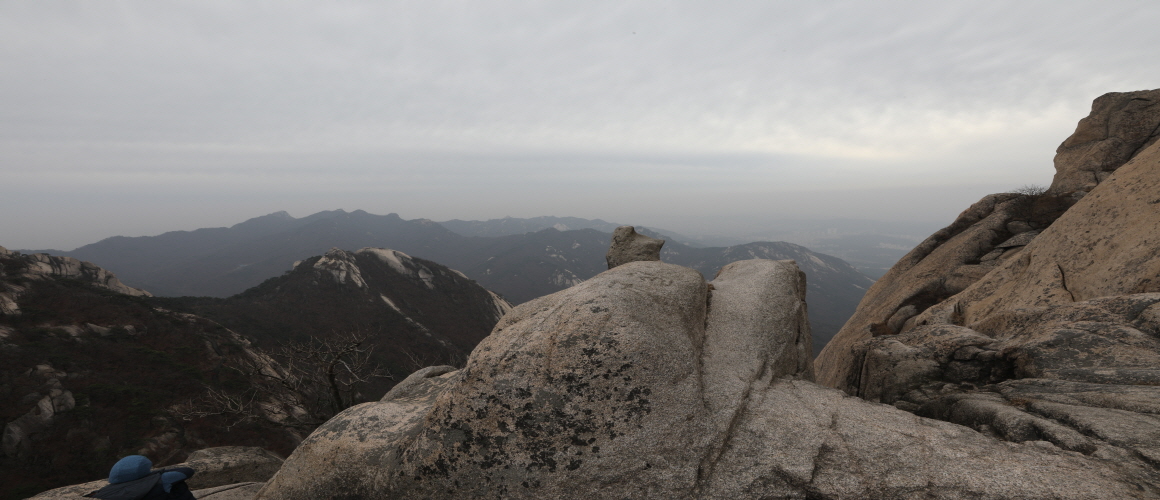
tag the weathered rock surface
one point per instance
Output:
(73, 492)
(1121, 125)
(222, 473)
(645, 382)
(943, 265)
(630, 246)
(1059, 341)
(1082, 375)
(51, 400)
(346, 455)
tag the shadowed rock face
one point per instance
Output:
(646, 382)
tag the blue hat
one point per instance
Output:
(130, 468)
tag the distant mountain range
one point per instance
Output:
(221, 262)
(870, 246)
(508, 226)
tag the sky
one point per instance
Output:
(139, 117)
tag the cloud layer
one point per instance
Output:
(136, 117)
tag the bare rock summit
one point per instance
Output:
(1120, 126)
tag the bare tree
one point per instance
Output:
(235, 407)
(301, 384)
(330, 370)
(1030, 190)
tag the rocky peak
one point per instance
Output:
(341, 266)
(19, 268)
(630, 246)
(405, 265)
(413, 309)
(1120, 126)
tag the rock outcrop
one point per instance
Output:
(239, 491)
(17, 267)
(1120, 126)
(1059, 344)
(53, 399)
(995, 231)
(944, 264)
(1059, 340)
(647, 382)
(630, 246)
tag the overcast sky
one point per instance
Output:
(139, 117)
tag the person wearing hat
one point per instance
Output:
(133, 478)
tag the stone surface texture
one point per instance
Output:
(1057, 343)
(231, 465)
(630, 246)
(647, 382)
(240, 491)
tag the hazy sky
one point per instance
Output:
(138, 117)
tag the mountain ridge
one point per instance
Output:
(222, 262)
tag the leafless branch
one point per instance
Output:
(301, 384)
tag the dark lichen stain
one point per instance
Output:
(532, 423)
